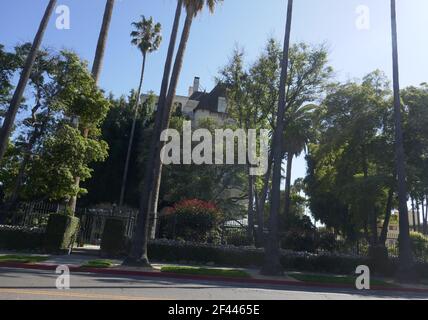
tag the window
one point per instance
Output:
(222, 105)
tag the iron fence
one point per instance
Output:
(234, 232)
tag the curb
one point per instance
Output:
(121, 272)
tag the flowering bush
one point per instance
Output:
(193, 220)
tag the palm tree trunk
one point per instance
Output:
(10, 116)
(425, 217)
(96, 71)
(250, 213)
(418, 215)
(166, 116)
(414, 215)
(102, 40)
(154, 196)
(406, 264)
(132, 134)
(262, 201)
(384, 232)
(138, 254)
(287, 203)
(166, 111)
(272, 265)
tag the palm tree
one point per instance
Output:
(297, 135)
(147, 37)
(102, 40)
(10, 116)
(138, 254)
(193, 7)
(96, 71)
(272, 265)
(406, 263)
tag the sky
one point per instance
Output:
(354, 51)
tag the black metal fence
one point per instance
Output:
(92, 221)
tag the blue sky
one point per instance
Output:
(353, 52)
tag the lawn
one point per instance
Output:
(98, 264)
(231, 273)
(23, 259)
(332, 279)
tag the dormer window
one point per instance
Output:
(222, 105)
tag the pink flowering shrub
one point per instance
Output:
(192, 220)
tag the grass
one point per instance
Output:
(332, 279)
(231, 273)
(98, 264)
(22, 258)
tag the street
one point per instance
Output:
(17, 284)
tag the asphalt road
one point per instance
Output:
(17, 284)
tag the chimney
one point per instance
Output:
(190, 91)
(196, 82)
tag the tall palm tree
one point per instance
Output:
(102, 40)
(138, 254)
(10, 116)
(272, 265)
(147, 37)
(405, 271)
(193, 8)
(96, 70)
(162, 99)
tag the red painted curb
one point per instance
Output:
(122, 272)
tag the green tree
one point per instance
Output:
(39, 121)
(96, 72)
(15, 103)
(350, 176)
(415, 119)
(9, 63)
(105, 184)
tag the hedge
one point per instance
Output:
(21, 238)
(174, 251)
(113, 238)
(61, 232)
(244, 257)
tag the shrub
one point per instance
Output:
(186, 252)
(238, 238)
(327, 241)
(419, 245)
(299, 235)
(61, 232)
(113, 238)
(192, 220)
(299, 242)
(21, 238)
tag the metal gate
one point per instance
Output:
(92, 222)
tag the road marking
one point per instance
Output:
(69, 294)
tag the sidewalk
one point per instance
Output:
(77, 262)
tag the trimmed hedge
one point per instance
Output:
(173, 251)
(21, 238)
(192, 253)
(61, 232)
(113, 238)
